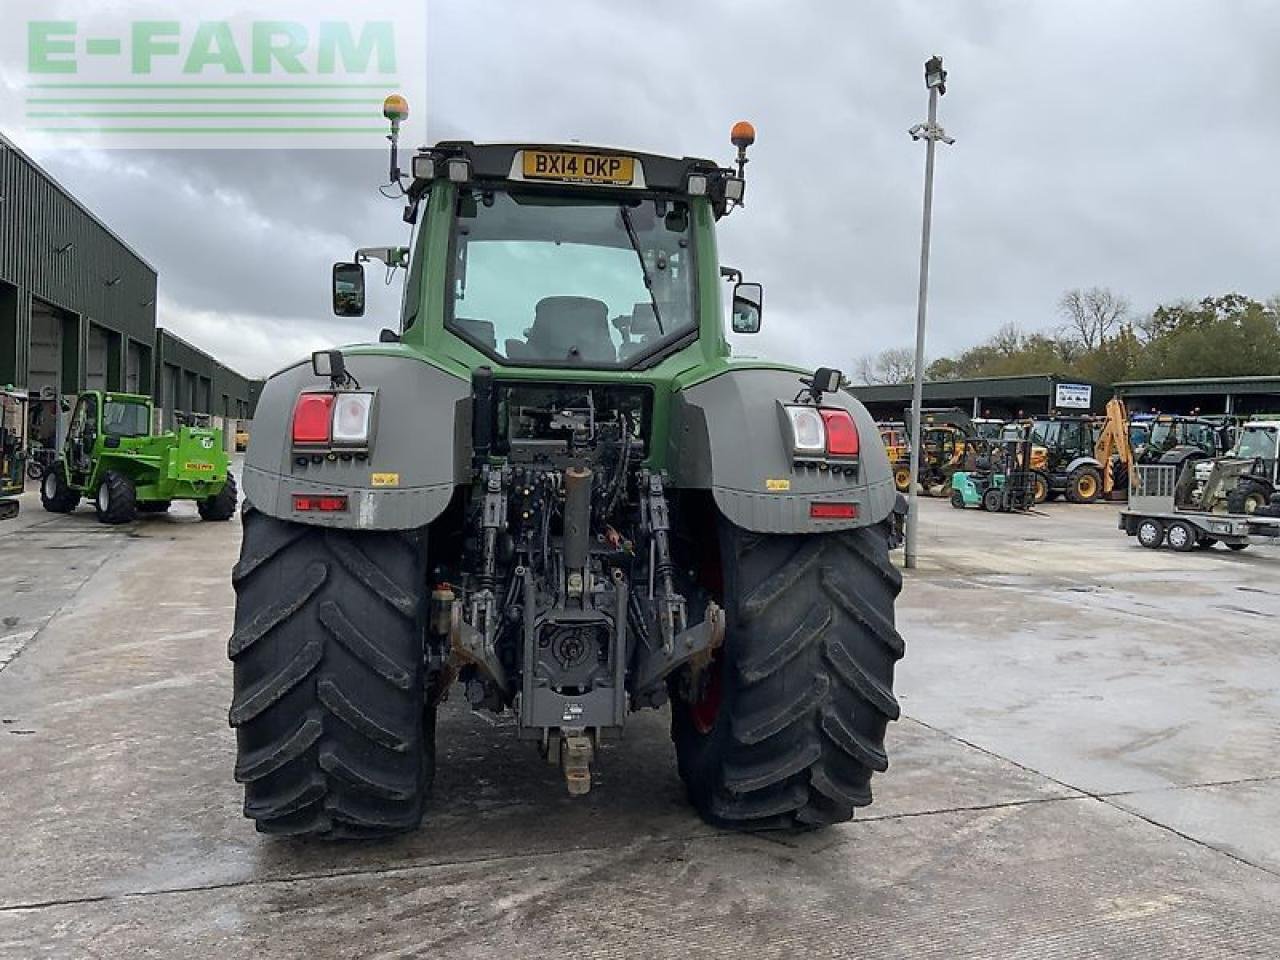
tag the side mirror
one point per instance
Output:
(748, 304)
(348, 290)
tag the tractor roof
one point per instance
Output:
(499, 161)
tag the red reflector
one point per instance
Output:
(833, 511)
(842, 435)
(312, 415)
(306, 503)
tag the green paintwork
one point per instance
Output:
(430, 341)
(190, 464)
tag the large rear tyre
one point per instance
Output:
(56, 495)
(116, 500)
(1084, 485)
(222, 505)
(792, 722)
(335, 736)
(1248, 496)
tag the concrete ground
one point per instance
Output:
(1087, 767)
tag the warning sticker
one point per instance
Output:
(385, 479)
(777, 486)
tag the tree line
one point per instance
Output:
(1099, 338)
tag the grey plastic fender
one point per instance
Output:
(420, 449)
(727, 436)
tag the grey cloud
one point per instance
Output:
(1129, 145)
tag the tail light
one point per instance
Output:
(323, 419)
(822, 431)
(842, 435)
(312, 418)
(351, 418)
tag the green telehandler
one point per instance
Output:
(111, 455)
(553, 484)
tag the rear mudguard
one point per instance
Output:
(421, 439)
(1079, 462)
(727, 437)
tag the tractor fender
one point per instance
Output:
(419, 451)
(727, 436)
(1179, 456)
(1079, 462)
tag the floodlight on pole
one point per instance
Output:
(935, 81)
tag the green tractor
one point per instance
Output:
(553, 485)
(111, 455)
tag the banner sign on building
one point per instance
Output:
(1074, 396)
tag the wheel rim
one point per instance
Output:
(902, 479)
(104, 497)
(1149, 533)
(50, 485)
(704, 711)
(1087, 486)
(1178, 536)
(1042, 491)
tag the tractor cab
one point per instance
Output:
(105, 421)
(1182, 437)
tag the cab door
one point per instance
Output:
(81, 437)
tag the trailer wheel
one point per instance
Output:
(1150, 533)
(1182, 536)
(791, 724)
(957, 499)
(1084, 485)
(222, 505)
(116, 500)
(56, 495)
(334, 730)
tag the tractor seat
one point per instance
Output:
(571, 327)
(642, 328)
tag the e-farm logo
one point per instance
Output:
(282, 74)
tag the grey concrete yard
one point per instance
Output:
(1087, 767)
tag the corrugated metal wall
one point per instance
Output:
(54, 250)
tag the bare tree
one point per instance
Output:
(1093, 315)
(896, 365)
(1008, 340)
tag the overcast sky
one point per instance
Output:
(1131, 145)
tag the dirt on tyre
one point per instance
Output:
(791, 724)
(55, 494)
(116, 499)
(1084, 485)
(222, 505)
(334, 735)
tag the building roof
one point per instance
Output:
(1200, 385)
(991, 388)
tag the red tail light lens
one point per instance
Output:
(309, 503)
(842, 435)
(312, 416)
(833, 511)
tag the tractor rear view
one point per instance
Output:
(112, 456)
(552, 485)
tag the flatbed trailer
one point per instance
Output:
(1154, 518)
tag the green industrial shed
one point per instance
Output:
(78, 311)
(998, 397)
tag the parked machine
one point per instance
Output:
(13, 449)
(1245, 479)
(554, 484)
(111, 455)
(947, 438)
(1002, 480)
(893, 434)
(1157, 515)
(1176, 440)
